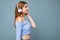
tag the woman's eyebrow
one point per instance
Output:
(26, 5)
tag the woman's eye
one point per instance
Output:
(25, 6)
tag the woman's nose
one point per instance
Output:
(27, 8)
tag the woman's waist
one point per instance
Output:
(26, 36)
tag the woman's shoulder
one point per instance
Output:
(18, 19)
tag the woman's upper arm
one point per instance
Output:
(18, 22)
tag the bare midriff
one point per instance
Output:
(26, 37)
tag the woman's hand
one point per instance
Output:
(31, 20)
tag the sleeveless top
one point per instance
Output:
(22, 28)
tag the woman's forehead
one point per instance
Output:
(25, 5)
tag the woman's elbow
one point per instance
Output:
(34, 26)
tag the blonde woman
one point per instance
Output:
(23, 26)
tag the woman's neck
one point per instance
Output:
(22, 17)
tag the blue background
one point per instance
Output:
(46, 14)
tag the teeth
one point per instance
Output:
(20, 10)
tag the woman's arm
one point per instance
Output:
(18, 28)
(32, 21)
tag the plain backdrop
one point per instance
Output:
(45, 13)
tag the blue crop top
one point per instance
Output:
(22, 28)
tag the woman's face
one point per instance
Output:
(25, 9)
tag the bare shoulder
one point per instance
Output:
(18, 19)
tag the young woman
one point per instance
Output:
(23, 26)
